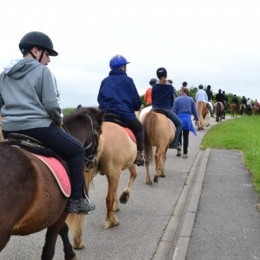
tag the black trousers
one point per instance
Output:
(66, 146)
(184, 140)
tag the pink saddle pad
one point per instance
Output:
(58, 172)
(130, 133)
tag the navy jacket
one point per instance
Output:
(163, 96)
(118, 95)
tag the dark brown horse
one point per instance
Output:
(234, 109)
(31, 199)
(220, 111)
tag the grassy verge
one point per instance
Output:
(242, 134)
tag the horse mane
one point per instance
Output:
(81, 115)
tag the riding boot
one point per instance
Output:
(80, 206)
(140, 160)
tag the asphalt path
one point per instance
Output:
(148, 222)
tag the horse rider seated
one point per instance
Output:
(202, 96)
(220, 97)
(234, 100)
(118, 95)
(163, 98)
(210, 99)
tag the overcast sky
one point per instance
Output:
(209, 42)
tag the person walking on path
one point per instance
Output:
(163, 98)
(118, 95)
(184, 106)
(29, 102)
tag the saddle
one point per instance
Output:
(161, 111)
(113, 118)
(110, 117)
(53, 161)
(31, 145)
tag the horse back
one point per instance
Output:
(118, 150)
(158, 128)
(30, 193)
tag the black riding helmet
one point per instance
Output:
(37, 39)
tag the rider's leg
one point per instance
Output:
(178, 124)
(137, 128)
(185, 141)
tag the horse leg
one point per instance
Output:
(51, 238)
(158, 164)
(113, 181)
(148, 178)
(126, 193)
(75, 223)
(163, 163)
(67, 248)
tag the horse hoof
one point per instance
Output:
(79, 247)
(124, 198)
(110, 224)
(162, 176)
(155, 179)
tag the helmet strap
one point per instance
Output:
(40, 56)
(43, 50)
(32, 55)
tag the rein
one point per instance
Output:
(91, 149)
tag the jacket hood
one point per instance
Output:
(19, 68)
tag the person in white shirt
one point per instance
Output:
(201, 95)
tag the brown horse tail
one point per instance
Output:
(218, 109)
(149, 126)
(200, 112)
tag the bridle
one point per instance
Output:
(91, 147)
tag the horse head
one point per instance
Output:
(85, 124)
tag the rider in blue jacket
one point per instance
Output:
(118, 95)
(163, 98)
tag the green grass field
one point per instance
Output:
(242, 133)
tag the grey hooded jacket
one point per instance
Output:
(28, 96)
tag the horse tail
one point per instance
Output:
(218, 109)
(149, 124)
(200, 112)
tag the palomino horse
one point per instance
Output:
(31, 199)
(234, 109)
(220, 111)
(203, 114)
(116, 152)
(159, 132)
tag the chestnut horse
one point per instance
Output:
(220, 111)
(234, 109)
(31, 199)
(159, 132)
(203, 114)
(116, 152)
